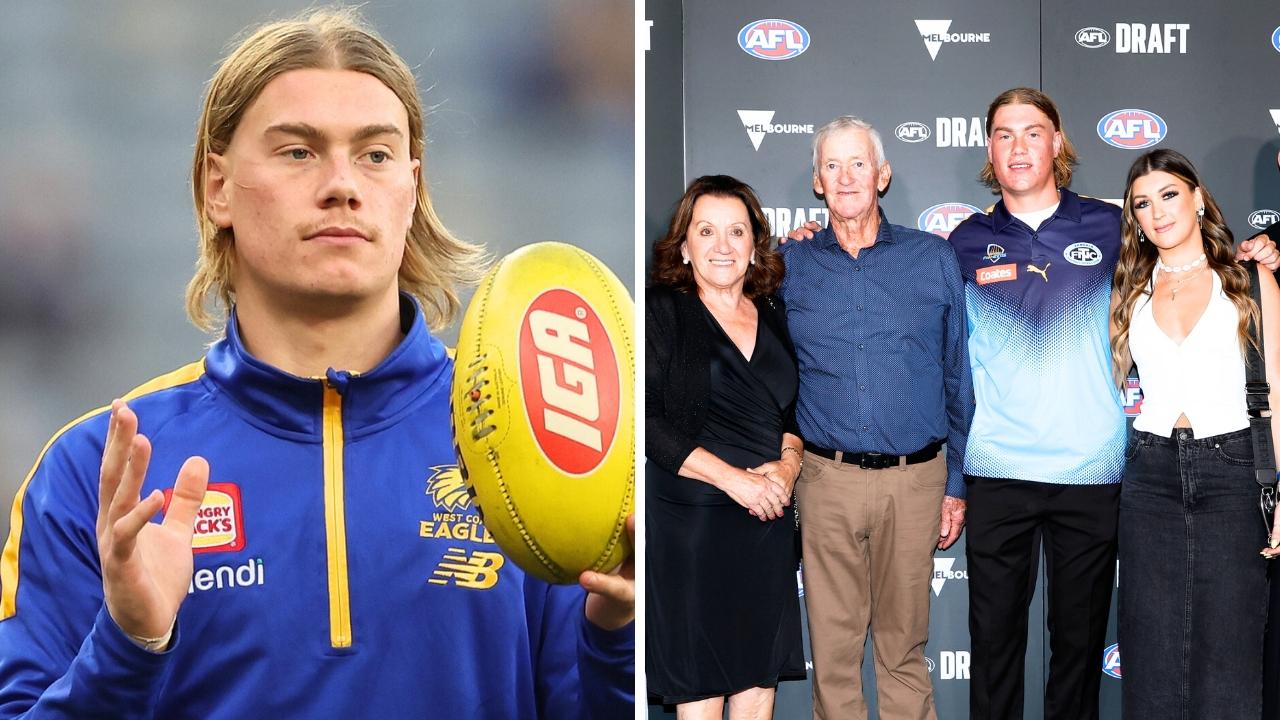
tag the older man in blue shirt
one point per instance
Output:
(878, 318)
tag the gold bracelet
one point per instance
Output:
(799, 455)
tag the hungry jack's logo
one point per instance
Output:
(219, 523)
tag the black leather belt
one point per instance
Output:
(874, 460)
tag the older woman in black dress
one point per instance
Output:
(722, 610)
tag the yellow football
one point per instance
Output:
(543, 408)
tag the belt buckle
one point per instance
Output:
(873, 461)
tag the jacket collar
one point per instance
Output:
(1068, 209)
(271, 397)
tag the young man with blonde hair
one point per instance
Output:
(318, 556)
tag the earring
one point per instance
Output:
(686, 261)
(1141, 237)
(1200, 216)
(753, 258)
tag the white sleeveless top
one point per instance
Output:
(1202, 378)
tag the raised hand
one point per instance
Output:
(146, 566)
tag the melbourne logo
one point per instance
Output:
(994, 252)
(1262, 219)
(1132, 397)
(773, 39)
(1082, 253)
(1131, 129)
(760, 123)
(942, 572)
(912, 132)
(228, 576)
(1111, 660)
(1092, 37)
(448, 489)
(1156, 38)
(934, 34)
(219, 525)
(997, 273)
(475, 571)
(942, 218)
(570, 380)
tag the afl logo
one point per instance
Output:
(912, 132)
(942, 218)
(773, 39)
(570, 381)
(928, 663)
(1131, 129)
(1262, 219)
(1111, 661)
(1082, 253)
(1092, 37)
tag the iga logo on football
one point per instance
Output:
(773, 39)
(1132, 129)
(570, 380)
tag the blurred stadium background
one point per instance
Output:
(530, 137)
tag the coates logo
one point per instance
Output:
(219, 525)
(942, 572)
(570, 381)
(1131, 129)
(1111, 660)
(773, 39)
(912, 132)
(1275, 39)
(942, 218)
(997, 273)
(1092, 37)
(1262, 219)
(760, 123)
(1132, 397)
(934, 34)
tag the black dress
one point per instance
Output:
(721, 605)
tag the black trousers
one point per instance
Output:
(1008, 521)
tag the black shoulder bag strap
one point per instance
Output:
(1257, 393)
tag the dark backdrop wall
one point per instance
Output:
(760, 77)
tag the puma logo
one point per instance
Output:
(1042, 273)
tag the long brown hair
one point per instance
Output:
(434, 261)
(1066, 158)
(762, 279)
(1138, 259)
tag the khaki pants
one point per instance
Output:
(869, 537)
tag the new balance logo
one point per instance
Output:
(479, 571)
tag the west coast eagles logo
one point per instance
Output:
(448, 489)
(994, 253)
(456, 518)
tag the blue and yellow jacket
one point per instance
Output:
(341, 570)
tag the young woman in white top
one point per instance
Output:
(1193, 589)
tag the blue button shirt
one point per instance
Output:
(1038, 301)
(881, 342)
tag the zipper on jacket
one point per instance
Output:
(335, 516)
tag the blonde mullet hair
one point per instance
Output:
(435, 262)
